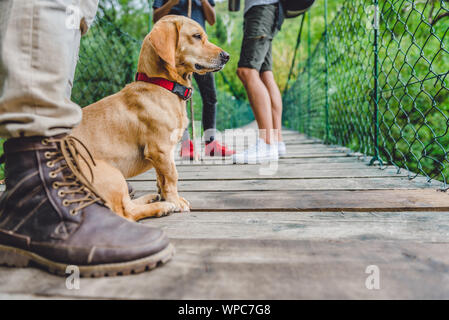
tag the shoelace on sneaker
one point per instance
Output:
(76, 182)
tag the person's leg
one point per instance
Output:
(206, 86)
(185, 135)
(276, 101)
(259, 99)
(259, 26)
(37, 56)
(187, 147)
(50, 214)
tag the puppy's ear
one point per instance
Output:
(164, 39)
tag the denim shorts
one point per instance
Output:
(259, 28)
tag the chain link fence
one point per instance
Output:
(377, 82)
(107, 62)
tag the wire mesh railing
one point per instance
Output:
(107, 62)
(377, 82)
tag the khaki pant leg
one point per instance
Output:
(38, 53)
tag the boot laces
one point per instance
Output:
(75, 182)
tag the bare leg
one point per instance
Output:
(276, 101)
(259, 98)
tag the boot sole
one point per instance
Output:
(14, 257)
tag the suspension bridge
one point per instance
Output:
(360, 194)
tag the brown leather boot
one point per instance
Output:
(51, 217)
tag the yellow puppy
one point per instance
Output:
(138, 128)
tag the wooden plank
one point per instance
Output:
(298, 137)
(413, 226)
(287, 168)
(282, 167)
(290, 155)
(329, 154)
(279, 173)
(373, 200)
(292, 140)
(295, 142)
(265, 269)
(293, 149)
(227, 161)
(25, 296)
(301, 149)
(378, 183)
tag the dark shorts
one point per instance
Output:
(259, 29)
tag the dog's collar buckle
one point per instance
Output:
(183, 92)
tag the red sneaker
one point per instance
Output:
(187, 152)
(215, 149)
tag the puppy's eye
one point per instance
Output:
(197, 36)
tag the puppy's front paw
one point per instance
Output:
(165, 208)
(182, 205)
(186, 204)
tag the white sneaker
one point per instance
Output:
(282, 150)
(258, 153)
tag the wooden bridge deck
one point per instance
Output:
(308, 231)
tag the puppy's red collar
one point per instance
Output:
(183, 92)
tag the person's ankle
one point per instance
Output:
(266, 141)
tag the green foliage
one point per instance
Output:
(220, 31)
(130, 16)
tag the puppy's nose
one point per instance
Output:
(224, 56)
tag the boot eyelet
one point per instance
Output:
(50, 164)
(52, 174)
(47, 155)
(55, 185)
(73, 212)
(65, 203)
(61, 193)
(44, 141)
